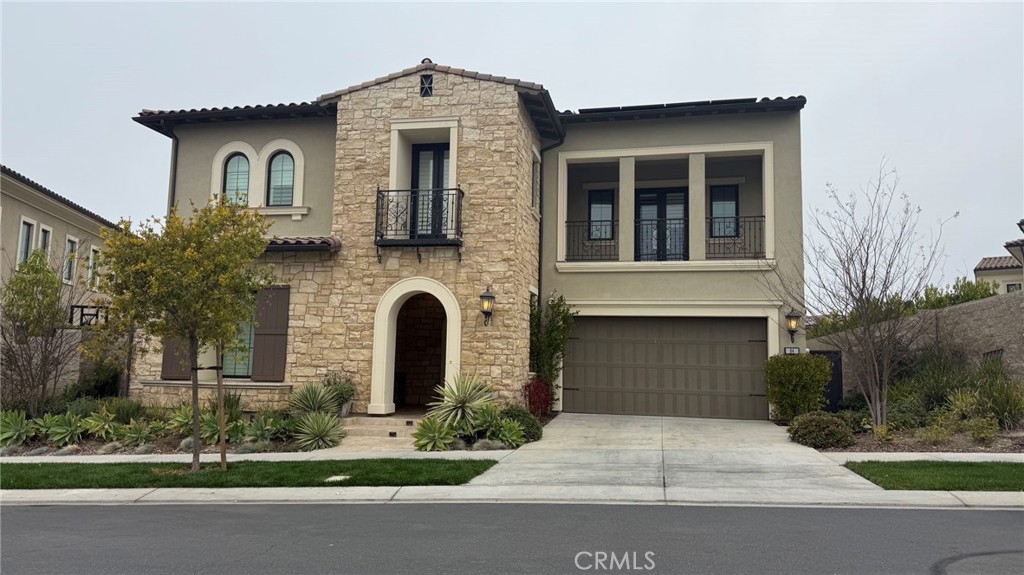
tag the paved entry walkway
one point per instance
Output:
(690, 459)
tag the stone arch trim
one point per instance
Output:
(292, 148)
(385, 326)
(227, 150)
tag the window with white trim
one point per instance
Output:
(1010, 288)
(94, 260)
(281, 180)
(236, 179)
(28, 228)
(45, 239)
(70, 254)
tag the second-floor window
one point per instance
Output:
(281, 184)
(94, 260)
(724, 211)
(236, 179)
(25, 241)
(44, 240)
(70, 253)
(602, 210)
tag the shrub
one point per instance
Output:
(1004, 398)
(907, 412)
(67, 429)
(43, 424)
(15, 428)
(181, 419)
(539, 396)
(796, 383)
(232, 406)
(935, 374)
(159, 428)
(965, 404)
(235, 431)
(510, 432)
(83, 406)
(532, 429)
(312, 398)
(342, 386)
(854, 420)
(820, 430)
(101, 424)
(318, 430)
(103, 380)
(933, 435)
(487, 420)
(883, 432)
(551, 323)
(433, 434)
(981, 429)
(260, 428)
(124, 409)
(137, 433)
(460, 401)
(209, 427)
(283, 428)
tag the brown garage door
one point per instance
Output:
(689, 367)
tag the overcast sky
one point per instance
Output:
(936, 89)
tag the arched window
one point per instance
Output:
(236, 179)
(280, 185)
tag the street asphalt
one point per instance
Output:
(455, 539)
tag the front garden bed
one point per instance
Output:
(356, 472)
(905, 441)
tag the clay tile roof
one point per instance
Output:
(998, 263)
(426, 66)
(55, 196)
(163, 121)
(305, 244)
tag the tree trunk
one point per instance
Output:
(220, 407)
(193, 354)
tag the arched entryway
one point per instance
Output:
(422, 314)
(419, 350)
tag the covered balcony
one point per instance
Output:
(646, 209)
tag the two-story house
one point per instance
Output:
(400, 203)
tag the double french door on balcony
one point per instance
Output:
(430, 203)
(661, 224)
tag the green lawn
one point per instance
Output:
(942, 475)
(364, 472)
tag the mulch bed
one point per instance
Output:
(162, 445)
(1005, 442)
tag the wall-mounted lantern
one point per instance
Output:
(487, 305)
(792, 324)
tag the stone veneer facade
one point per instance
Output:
(334, 297)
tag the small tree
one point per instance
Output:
(191, 280)
(867, 261)
(963, 290)
(551, 323)
(37, 342)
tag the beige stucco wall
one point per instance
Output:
(698, 289)
(1002, 277)
(198, 146)
(18, 200)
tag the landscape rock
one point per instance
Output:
(145, 449)
(39, 451)
(68, 450)
(186, 444)
(109, 448)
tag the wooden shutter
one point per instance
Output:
(175, 363)
(271, 337)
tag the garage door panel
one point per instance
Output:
(693, 367)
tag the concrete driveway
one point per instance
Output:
(691, 459)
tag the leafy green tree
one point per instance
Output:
(37, 344)
(963, 290)
(187, 279)
(551, 323)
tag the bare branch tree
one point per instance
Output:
(867, 261)
(39, 346)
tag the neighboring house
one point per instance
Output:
(398, 202)
(33, 217)
(1007, 271)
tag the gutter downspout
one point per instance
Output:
(540, 235)
(173, 180)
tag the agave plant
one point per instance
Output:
(137, 433)
(101, 424)
(318, 430)
(261, 428)
(433, 434)
(510, 432)
(43, 424)
(67, 429)
(488, 420)
(159, 428)
(209, 427)
(235, 431)
(181, 420)
(313, 397)
(15, 428)
(461, 400)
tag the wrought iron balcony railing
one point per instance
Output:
(592, 241)
(419, 217)
(662, 239)
(735, 237)
(87, 315)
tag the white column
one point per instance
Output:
(625, 208)
(697, 199)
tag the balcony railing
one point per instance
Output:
(662, 240)
(735, 238)
(592, 241)
(87, 315)
(419, 217)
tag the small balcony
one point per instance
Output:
(735, 238)
(661, 240)
(419, 218)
